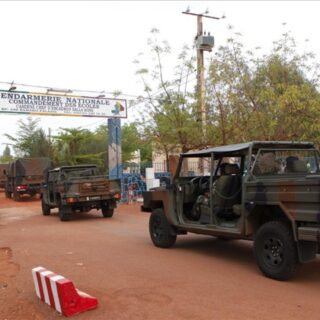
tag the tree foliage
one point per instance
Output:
(70, 145)
(30, 140)
(250, 96)
(273, 97)
(168, 118)
(6, 155)
(73, 146)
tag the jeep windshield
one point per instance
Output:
(78, 172)
(195, 166)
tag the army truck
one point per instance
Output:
(25, 176)
(3, 178)
(79, 188)
(267, 192)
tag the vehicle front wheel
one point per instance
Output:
(32, 194)
(106, 211)
(45, 208)
(160, 230)
(275, 250)
(8, 194)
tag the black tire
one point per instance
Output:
(160, 230)
(16, 196)
(106, 212)
(45, 208)
(63, 213)
(275, 250)
(32, 194)
(222, 238)
(7, 194)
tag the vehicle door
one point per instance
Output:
(192, 188)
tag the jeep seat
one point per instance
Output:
(299, 166)
(227, 192)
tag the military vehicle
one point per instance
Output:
(25, 176)
(3, 178)
(268, 192)
(79, 188)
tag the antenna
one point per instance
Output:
(12, 86)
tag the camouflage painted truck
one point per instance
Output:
(3, 178)
(268, 192)
(79, 188)
(25, 176)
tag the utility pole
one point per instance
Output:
(50, 144)
(203, 43)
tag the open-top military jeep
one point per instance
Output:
(268, 192)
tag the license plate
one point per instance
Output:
(94, 198)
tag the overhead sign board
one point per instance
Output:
(61, 105)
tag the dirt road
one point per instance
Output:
(114, 260)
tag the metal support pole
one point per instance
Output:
(114, 148)
(200, 79)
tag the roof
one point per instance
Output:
(238, 148)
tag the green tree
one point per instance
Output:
(145, 151)
(30, 140)
(168, 118)
(133, 140)
(6, 155)
(269, 97)
(81, 146)
(130, 141)
(71, 147)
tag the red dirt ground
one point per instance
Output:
(114, 260)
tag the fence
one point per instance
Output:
(133, 181)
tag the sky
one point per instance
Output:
(91, 45)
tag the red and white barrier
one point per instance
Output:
(60, 293)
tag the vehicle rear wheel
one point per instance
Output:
(45, 208)
(63, 213)
(16, 196)
(106, 212)
(275, 250)
(160, 230)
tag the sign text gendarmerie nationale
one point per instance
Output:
(61, 105)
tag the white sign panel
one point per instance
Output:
(61, 105)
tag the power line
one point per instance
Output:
(148, 99)
(94, 123)
(73, 90)
(137, 98)
(175, 85)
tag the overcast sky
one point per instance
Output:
(90, 45)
